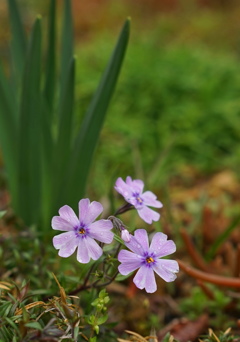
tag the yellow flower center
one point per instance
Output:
(149, 260)
(81, 231)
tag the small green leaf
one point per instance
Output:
(121, 277)
(102, 319)
(34, 325)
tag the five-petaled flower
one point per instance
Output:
(132, 191)
(147, 259)
(81, 232)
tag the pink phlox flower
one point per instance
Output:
(132, 191)
(81, 232)
(148, 259)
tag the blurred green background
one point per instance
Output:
(177, 106)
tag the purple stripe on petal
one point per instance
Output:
(63, 239)
(166, 269)
(150, 199)
(148, 215)
(167, 248)
(130, 262)
(69, 215)
(58, 223)
(93, 211)
(145, 278)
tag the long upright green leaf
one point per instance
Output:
(49, 87)
(18, 45)
(30, 132)
(66, 44)
(88, 136)
(64, 138)
(8, 131)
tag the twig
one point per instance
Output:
(196, 257)
(237, 267)
(210, 278)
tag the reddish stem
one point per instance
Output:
(210, 278)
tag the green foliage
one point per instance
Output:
(221, 337)
(47, 161)
(198, 302)
(175, 106)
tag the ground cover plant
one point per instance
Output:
(105, 272)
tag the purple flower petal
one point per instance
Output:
(94, 250)
(123, 188)
(148, 215)
(69, 215)
(88, 212)
(130, 262)
(158, 240)
(82, 252)
(150, 199)
(135, 245)
(145, 278)
(137, 185)
(167, 248)
(58, 223)
(66, 243)
(63, 239)
(100, 230)
(142, 237)
(88, 248)
(166, 269)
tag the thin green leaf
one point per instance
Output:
(87, 138)
(118, 239)
(66, 44)
(8, 132)
(63, 145)
(49, 87)
(222, 238)
(34, 325)
(18, 45)
(30, 132)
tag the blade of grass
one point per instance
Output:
(222, 238)
(87, 137)
(18, 44)
(8, 132)
(66, 45)
(63, 145)
(30, 132)
(49, 87)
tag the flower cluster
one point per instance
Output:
(83, 232)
